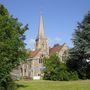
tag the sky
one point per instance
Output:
(60, 18)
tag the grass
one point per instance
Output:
(54, 85)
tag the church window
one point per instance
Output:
(21, 70)
(25, 70)
(42, 55)
(39, 75)
(40, 60)
(64, 55)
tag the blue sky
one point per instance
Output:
(60, 17)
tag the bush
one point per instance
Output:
(52, 68)
(73, 75)
(56, 70)
(64, 76)
(7, 84)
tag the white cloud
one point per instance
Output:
(32, 41)
(57, 39)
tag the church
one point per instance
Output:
(33, 67)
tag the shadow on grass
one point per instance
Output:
(21, 86)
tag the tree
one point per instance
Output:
(88, 71)
(12, 50)
(56, 70)
(52, 66)
(80, 53)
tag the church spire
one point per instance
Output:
(41, 29)
(41, 40)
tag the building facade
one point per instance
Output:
(33, 67)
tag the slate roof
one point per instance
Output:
(55, 49)
(52, 50)
(34, 53)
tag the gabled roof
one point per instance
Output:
(33, 53)
(55, 49)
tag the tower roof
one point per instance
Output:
(41, 29)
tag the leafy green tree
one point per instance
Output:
(56, 70)
(80, 53)
(52, 68)
(12, 50)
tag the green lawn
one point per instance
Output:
(54, 85)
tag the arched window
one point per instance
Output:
(21, 70)
(40, 60)
(64, 56)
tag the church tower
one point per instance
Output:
(41, 40)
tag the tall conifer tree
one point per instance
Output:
(80, 53)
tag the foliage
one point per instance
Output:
(88, 71)
(12, 50)
(73, 75)
(66, 74)
(80, 53)
(52, 68)
(56, 70)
